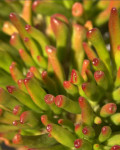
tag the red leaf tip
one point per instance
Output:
(60, 121)
(44, 74)
(12, 16)
(66, 84)
(49, 127)
(49, 99)
(59, 100)
(112, 108)
(90, 32)
(95, 61)
(35, 4)
(44, 119)
(26, 39)
(59, 17)
(104, 129)
(38, 58)
(82, 101)
(13, 38)
(26, 80)
(49, 135)
(16, 110)
(98, 75)
(85, 130)
(50, 49)
(115, 147)
(30, 75)
(15, 123)
(17, 139)
(113, 10)
(78, 143)
(12, 66)
(56, 21)
(10, 89)
(84, 85)
(32, 69)
(21, 51)
(27, 27)
(73, 76)
(20, 81)
(77, 126)
(24, 117)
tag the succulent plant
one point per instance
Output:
(60, 86)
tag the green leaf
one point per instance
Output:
(49, 9)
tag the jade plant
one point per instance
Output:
(60, 86)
